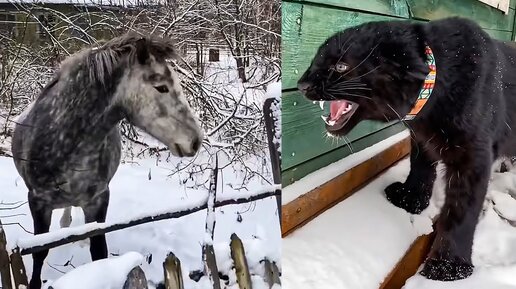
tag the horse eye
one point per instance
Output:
(341, 67)
(161, 88)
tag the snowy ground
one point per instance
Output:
(132, 193)
(355, 244)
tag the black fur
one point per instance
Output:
(467, 122)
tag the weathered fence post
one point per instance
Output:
(19, 273)
(242, 270)
(271, 273)
(5, 271)
(208, 253)
(272, 119)
(173, 273)
(136, 279)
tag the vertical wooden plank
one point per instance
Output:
(173, 272)
(272, 116)
(210, 265)
(210, 262)
(240, 262)
(136, 279)
(5, 271)
(18, 269)
(272, 275)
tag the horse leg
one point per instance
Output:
(41, 215)
(96, 212)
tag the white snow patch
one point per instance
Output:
(494, 246)
(355, 244)
(273, 90)
(323, 175)
(134, 195)
(109, 273)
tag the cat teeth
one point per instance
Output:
(321, 104)
(328, 122)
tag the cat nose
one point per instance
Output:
(304, 86)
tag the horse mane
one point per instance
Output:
(101, 62)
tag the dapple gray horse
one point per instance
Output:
(67, 145)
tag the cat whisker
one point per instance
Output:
(360, 76)
(351, 88)
(353, 94)
(404, 122)
(367, 57)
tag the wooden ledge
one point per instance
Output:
(306, 207)
(408, 264)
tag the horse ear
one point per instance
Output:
(142, 51)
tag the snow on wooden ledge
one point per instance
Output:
(498, 4)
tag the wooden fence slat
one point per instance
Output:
(271, 125)
(272, 275)
(208, 253)
(211, 268)
(241, 268)
(5, 271)
(136, 279)
(173, 272)
(18, 269)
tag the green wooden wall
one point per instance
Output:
(306, 24)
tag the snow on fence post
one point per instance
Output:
(208, 253)
(271, 273)
(136, 279)
(19, 273)
(173, 272)
(272, 117)
(5, 271)
(240, 262)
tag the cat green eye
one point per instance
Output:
(341, 67)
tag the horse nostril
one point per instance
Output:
(196, 144)
(304, 86)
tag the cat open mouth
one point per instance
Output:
(340, 113)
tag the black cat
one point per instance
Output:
(376, 71)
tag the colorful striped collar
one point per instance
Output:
(428, 85)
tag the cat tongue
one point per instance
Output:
(337, 107)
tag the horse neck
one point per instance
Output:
(86, 118)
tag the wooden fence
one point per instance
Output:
(11, 263)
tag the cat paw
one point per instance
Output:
(411, 200)
(446, 270)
